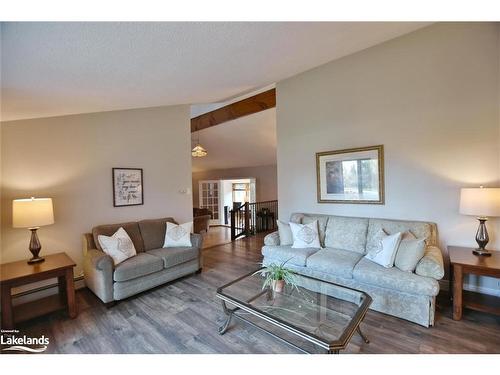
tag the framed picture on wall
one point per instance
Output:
(127, 187)
(351, 176)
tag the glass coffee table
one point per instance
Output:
(322, 313)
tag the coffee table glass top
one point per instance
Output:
(324, 313)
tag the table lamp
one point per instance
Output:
(32, 214)
(483, 203)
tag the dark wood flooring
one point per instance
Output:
(183, 317)
(218, 235)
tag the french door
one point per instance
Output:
(209, 191)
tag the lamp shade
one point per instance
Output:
(30, 213)
(482, 202)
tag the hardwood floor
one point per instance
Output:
(216, 236)
(183, 317)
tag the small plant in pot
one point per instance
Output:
(276, 276)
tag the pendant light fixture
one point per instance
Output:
(198, 151)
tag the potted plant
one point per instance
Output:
(276, 276)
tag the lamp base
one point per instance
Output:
(482, 238)
(36, 260)
(35, 247)
(481, 252)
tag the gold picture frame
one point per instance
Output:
(354, 175)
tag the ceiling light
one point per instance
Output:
(198, 151)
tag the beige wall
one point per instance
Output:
(265, 180)
(430, 97)
(70, 158)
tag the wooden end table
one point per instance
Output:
(20, 273)
(462, 261)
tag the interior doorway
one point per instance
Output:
(237, 192)
(220, 196)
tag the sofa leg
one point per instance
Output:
(199, 271)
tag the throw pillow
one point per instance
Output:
(119, 246)
(381, 234)
(409, 253)
(178, 235)
(285, 233)
(386, 253)
(408, 236)
(305, 235)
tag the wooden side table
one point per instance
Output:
(20, 273)
(462, 261)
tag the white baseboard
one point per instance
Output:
(444, 285)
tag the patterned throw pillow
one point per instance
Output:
(178, 235)
(119, 246)
(305, 235)
(386, 252)
(381, 234)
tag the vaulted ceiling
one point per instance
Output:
(249, 141)
(52, 69)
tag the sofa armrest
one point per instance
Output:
(272, 239)
(98, 273)
(100, 260)
(196, 240)
(431, 265)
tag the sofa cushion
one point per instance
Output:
(172, 256)
(140, 265)
(296, 257)
(153, 232)
(371, 273)
(334, 261)
(347, 233)
(322, 222)
(418, 228)
(131, 228)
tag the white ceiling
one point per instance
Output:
(51, 69)
(248, 141)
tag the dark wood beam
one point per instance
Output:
(245, 107)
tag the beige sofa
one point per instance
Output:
(152, 266)
(345, 242)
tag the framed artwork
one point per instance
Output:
(127, 187)
(351, 176)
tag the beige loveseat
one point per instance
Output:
(152, 266)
